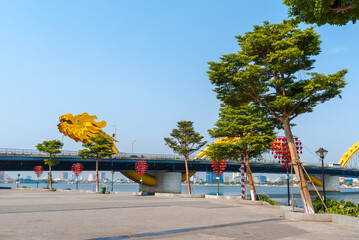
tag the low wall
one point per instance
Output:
(316, 217)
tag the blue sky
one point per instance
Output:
(141, 65)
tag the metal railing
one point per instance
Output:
(122, 155)
(66, 153)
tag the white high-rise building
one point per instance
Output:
(236, 176)
(63, 176)
(91, 177)
(102, 176)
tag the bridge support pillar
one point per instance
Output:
(167, 182)
(331, 183)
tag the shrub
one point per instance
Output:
(265, 198)
(337, 207)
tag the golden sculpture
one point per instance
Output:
(234, 140)
(83, 126)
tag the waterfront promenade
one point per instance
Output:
(27, 214)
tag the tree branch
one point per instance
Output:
(300, 102)
(341, 9)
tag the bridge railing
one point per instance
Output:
(66, 153)
(12, 151)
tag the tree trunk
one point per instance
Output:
(304, 192)
(50, 177)
(187, 175)
(250, 178)
(97, 182)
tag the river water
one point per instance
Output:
(278, 194)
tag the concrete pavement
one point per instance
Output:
(26, 214)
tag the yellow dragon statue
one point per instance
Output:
(83, 126)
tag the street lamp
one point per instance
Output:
(113, 172)
(132, 145)
(18, 180)
(321, 152)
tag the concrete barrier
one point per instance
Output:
(238, 199)
(317, 217)
(307, 217)
(345, 220)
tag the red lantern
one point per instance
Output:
(77, 169)
(38, 170)
(281, 150)
(141, 167)
(219, 167)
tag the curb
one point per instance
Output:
(317, 217)
(180, 195)
(238, 199)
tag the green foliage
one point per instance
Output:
(265, 198)
(220, 151)
(51, 162)
(337, 207)
(52, 147)
(185, 140)
(333, 12)
(265, 72)
(247, 122)
(100, 146)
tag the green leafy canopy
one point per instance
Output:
(266, 70)
(185, 140)
(100, 146)
(52, 147)
(247, 122)
(333, 12)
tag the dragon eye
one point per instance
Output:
(78, 121)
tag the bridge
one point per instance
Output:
(25, 160)
(167, 165)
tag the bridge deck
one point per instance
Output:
(25, 160)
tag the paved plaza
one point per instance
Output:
(27, 214)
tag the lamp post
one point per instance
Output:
(18, 180)
(132, 145)
(113, 172)
(321, 152)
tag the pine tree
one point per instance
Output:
(185, 141)
(98, 147)
(53, 148)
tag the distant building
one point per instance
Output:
(63, 176)
(262, 179)
(236, 177)
(281, 179)
(91, 177)
(102, 176)
(28, 177)
(211, 177)
(348, 180)
(227, 179)
(2, 175)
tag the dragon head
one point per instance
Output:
(82, 126)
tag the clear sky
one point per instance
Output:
(141, 65)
